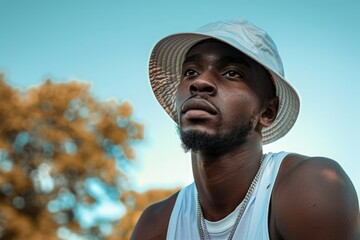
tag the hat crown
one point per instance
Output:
(250, 39)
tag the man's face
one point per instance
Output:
(218, 98)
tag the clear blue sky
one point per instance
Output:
(108, 43)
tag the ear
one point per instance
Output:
(269, 112)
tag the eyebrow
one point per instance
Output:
(198, 58)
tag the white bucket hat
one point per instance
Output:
(169, 53)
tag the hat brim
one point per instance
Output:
(165, 66)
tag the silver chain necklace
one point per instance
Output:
(203, 232)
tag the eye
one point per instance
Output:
(233, 74)
(190, 73)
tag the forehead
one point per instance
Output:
(219, 50)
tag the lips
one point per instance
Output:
(200, 104)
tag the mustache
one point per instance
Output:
(199, 102)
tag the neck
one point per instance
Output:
(222, 179)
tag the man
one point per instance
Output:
(224, 86)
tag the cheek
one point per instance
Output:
(240, 108)
(179, 99)
(177, 105)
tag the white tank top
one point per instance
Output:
(254, 222)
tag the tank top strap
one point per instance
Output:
(254, 223)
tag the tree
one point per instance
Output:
(136, 203)
(62, 152)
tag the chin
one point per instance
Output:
(200, 138)
(199, 126)
(198, 130)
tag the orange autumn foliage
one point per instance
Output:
(53, 137)
(136, 204)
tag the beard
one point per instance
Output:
(199, 140)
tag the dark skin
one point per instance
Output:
(312, 198)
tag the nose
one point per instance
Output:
(203, 84)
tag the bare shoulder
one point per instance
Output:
(314, 199)
(154, 221)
